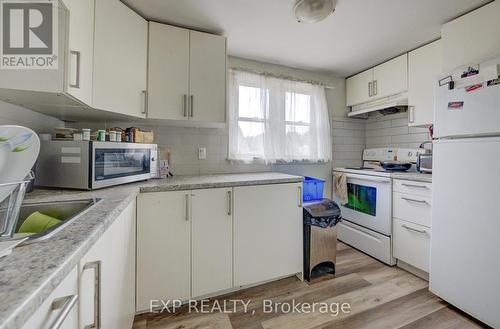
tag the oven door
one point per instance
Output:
(119, 163)
(370, 202)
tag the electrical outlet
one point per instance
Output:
(202, 153)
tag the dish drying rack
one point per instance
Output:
(11, 205)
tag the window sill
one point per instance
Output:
(278, 162)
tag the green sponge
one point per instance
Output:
(38, 223)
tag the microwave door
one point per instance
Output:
(118, 165)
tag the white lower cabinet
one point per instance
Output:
(197, 243)
(412, 208)
(61, 305)
(163, 247)
(211, 241)
(267, 232)
(412, 244)
(184, 245)
(411, 223)
(107, 276)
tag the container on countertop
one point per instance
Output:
(86, 134)
(101, 135)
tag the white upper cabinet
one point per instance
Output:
(186, 75)
(387, 79)
(424, 67)
(168, 72)
(472, 38)
(391, 77)
(359, 88)
(207, 77)
(120, 59)
(81, 50)
(46, 86)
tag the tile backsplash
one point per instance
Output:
(349, 141)
(393, 131)
(352, 136)
(183, 144)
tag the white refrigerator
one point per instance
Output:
(465, 234)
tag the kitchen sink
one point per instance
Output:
(66, 211)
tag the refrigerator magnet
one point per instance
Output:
(473, 87)
(493, 82)
(455, 106)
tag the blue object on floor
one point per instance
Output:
(313, 189)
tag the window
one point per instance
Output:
(298, 124)
(251, 121)
(275, 120)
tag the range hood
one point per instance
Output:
(391, 104)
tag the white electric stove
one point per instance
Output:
(367, 223)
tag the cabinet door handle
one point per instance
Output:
(375, 88)
(96, 267)
(185, 105)
(414, 229)
(145, 102)
(191, 106)
(230, 203)
(370, 89)
(300, 197)
(188, 207)
(77, 68)
(65, 304)
(411, 114)
(416, 186)
(413, 200)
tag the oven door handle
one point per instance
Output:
(369, 178)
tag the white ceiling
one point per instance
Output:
(359, 35)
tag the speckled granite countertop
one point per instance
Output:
(32, 272)
(414, 176)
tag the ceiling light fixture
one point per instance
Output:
(313, 11)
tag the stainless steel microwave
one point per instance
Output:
(92, 165)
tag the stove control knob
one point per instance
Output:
(410, 154)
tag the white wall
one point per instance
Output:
(17, 115)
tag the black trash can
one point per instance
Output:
(320, 237)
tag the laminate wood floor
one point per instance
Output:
(379, 296)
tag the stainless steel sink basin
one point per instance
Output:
(66, 211)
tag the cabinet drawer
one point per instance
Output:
(368, 241)
(412, 208)
(412, 244)
(412, 187)
(61, 305)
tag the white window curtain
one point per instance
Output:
(277, 120)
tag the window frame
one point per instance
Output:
(281, 122)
